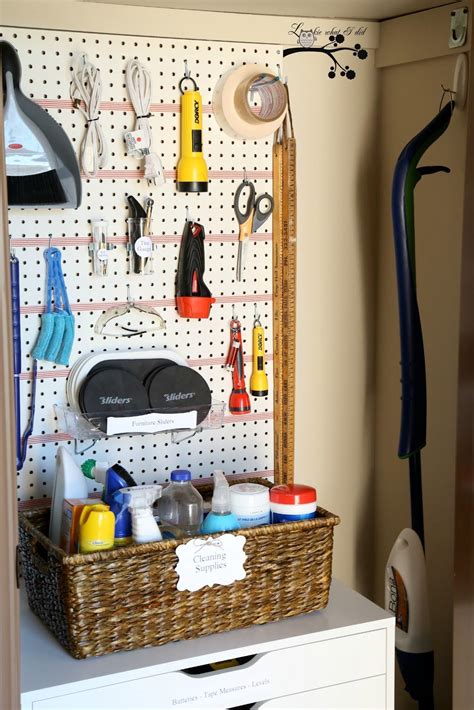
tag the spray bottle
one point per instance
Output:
(113, 478)
(220, 518)
(139, 501)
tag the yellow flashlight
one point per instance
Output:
(258, 379)
(192, 168)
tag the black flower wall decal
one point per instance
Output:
(306, 41)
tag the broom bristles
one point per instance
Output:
(35, 190)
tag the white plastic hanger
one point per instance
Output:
(116, 312)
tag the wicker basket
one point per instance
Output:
(127, 598)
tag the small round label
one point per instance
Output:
(143, 246)
(102, 254)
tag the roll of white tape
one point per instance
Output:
(234, 107)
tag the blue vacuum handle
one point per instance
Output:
(413, 377)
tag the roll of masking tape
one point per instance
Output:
(249, 102)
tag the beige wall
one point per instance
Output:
(335, 128)
(410, 95)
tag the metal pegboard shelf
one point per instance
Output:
(73, 422)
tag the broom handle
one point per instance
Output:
(15, 291)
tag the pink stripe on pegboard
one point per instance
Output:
(198, 362)
(164, 302)
(171, 174)
(157, 239)
(107, 106)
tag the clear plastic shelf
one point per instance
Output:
(178, 425)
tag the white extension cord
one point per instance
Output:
(86, 91)
(139, 141)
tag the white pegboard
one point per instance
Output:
(245, 443)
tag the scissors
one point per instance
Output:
(257, 211)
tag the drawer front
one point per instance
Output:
(367, 694)
(269, 675)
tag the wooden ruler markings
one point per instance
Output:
(284, 290)
(277, 304)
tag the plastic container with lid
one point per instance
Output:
(96, 528)
(250, 503)
(180, 506)
(294, 501)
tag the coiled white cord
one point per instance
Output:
(138, 82)
(86, 91)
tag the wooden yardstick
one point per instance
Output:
(284, 299)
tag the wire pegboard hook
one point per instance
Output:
(187, 73)
(78, 451)
(256, 316)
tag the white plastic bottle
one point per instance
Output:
(406, 594)
(180, 506)
(140, 500)
(68, 483)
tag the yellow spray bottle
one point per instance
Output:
(96, 528)
(192, 168)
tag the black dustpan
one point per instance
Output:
(41, 166)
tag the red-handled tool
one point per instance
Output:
(235, 344)
(239, 401)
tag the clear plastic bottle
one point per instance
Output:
(180, 506)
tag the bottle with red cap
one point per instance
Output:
(290, 502)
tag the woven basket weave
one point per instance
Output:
(123, 599)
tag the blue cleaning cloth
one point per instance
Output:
(64, 354)
(56, 336)
(44, 336)
(54, 344)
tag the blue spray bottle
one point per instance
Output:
(220, 518)
(113, 478)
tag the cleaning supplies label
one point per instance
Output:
(204, 562)
(151, 423)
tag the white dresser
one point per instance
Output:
(342, 657)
